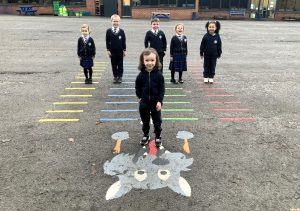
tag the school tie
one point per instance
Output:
(156, 32)
(115, 30)
(85, 40)
(180, 38)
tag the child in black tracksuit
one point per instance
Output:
(86, 52)
(150, 89)
(116, 48)
(155, 38)
(211, 49)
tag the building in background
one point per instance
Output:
(177, 9)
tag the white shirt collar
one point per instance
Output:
(117, 29)
(154, 30)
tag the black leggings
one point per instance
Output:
(145, 111)
(85, 70)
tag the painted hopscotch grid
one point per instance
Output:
(219, 97)
(72, 103)
(122, 103)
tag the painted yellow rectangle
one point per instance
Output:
(76, 95)
(64, 111)
(58, 120)
(79, 88)
(70, 103)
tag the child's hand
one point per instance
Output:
(109, 54)
(158, 106)
(171, 58)
(93, 57)
(201, 57)
(124, 53)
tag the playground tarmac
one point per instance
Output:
(54, 155)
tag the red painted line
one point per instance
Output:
(153, 149)
(211, 89)
(198, 82)
(218, 95)
(237, 118)
(220, 102)
(231, 109)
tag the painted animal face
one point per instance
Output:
(148, 171)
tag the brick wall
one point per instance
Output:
(280, 15)
(175, 14)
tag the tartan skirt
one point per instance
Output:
(86, 62)
(178, 64)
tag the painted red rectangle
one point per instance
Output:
(218, 95)
(201, 82)
(221, 102)
(237, 118)
(211, 89)
(231, 109)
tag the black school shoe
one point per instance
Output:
(86, 81)
(173, 81)
(180, 81)
(90, 81)
(115, 80)
(120, 80)
(145, 140)
(158, 142)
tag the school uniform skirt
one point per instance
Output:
(178, 64)
(86, 62)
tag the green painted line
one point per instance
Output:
(58, 120)
(175, 95)
(76, 95)
(187, 119)
(176, 102)
(177, 109)
(64, 111)
(80, 88)
(70, 103)
(82, 82)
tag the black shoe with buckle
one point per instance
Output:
(158, 142)
(173, 81)
(145, 140)
(180, 81)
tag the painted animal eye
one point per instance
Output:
(140, 175)
(163, 174)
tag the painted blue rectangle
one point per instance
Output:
(119, 110)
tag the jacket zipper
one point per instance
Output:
(149, 86)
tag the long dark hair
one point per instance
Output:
(147, 52)
(217, 24)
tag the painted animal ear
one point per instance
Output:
(181, 186)
(117, 190)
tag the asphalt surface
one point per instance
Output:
(249, 163)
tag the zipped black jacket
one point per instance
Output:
(211, 46)
(150, 86)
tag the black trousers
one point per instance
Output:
(209, 67)
(117, 64)
(161, 59)
(147, 110)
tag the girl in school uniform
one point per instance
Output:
(86, 52)
(178, 53)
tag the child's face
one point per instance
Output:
(155, 25)
(115, 22)
(84, 31)
(150, 61)
(179, 29)
(212, 28)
